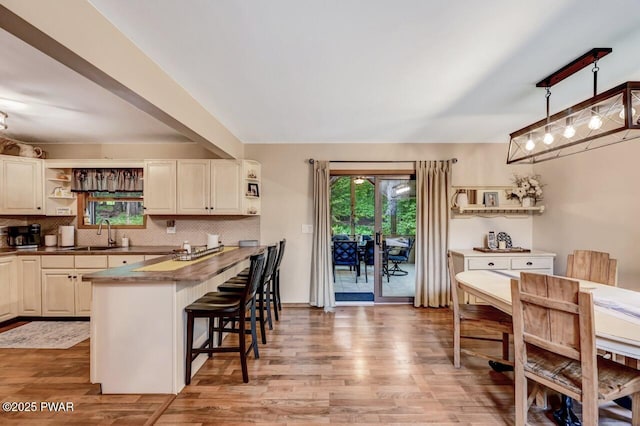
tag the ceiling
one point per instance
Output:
(48, 102)
(297, 71)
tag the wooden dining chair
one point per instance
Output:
(484, 317)
(593, 266)
(555, 346)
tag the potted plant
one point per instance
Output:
(527, 190)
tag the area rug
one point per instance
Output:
(354, 297)
(45, 335)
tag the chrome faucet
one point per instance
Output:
(110, 241)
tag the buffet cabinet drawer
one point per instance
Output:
(532, 263)
(61, 261)
(91, 262)
(488, 263)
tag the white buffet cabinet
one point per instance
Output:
(469, 260)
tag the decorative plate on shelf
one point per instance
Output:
(503, 236)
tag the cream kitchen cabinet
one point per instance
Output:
(535, 261)
(21, 186)
(160, 187)
(8, 288)
(210, 187)
(63, 291)
(124, 259)
(29, 286)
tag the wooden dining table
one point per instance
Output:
(616, 310)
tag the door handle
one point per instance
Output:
(491, 264)
(377, 238)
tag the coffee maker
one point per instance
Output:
(24, 236)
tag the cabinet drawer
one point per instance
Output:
(115, 261)
(488, 263)
(91, 262)
(532, 263)
(57, 261)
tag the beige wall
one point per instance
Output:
(287, 194)
(592, 203)
(126, 151)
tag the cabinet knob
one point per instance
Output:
(124, 261)
(75, 277)
(529, 263)
(144, 208)
(491, 264)
(69, 276)
(39, 208)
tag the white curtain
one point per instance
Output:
(433, 188)
(321, 279)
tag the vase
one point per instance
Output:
(528, 202)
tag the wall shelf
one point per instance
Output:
(58, 197)
(501, 210)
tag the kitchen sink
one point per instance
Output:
(90, 248)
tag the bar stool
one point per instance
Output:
(223, 306)
(238, 283)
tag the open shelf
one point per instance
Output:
(62, 198)
(514, 209)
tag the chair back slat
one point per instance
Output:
(550, 314)
(255, 275)
(282, 245)
(592, 266)
(345, 252)
(454, 284)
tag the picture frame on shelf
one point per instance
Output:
(490, 199)
(253, 190)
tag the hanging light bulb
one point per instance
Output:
(548, 137)
(530, 145)
(595, 122)
(569, 130)
(621, 115)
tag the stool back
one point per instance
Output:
(280, 254)
(270, 265)
(255, 275)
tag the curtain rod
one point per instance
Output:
(311, 161)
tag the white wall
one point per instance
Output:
(592, 204)
(287, 194)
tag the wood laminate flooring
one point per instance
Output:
(386, 364)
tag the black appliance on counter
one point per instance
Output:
(24, 236)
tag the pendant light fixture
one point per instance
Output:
(605, 119)
(3, 120)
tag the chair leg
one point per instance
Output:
(187, 377)
(243, 343)
(261, 318)
(254, 333)
(521, 394)
(505, 346)
(278, 290)
(456, 342)
(211, 328)
(267, 295)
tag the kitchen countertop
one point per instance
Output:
(7, 251)
(191, 272)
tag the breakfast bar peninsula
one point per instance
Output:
(138, 319)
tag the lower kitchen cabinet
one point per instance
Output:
(58, 292)
(29, 286)
(83, 293)
(8, 288)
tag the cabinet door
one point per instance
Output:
(226, 194)
(29, 286)
(193, 187)
(159, 187)
(83, 292)
(58, 292)
(22, 186)
(8, 289)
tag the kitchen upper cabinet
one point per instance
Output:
(209, 187)
(8, 288)
(226, 194)
(160, 187)
(29, 286)
(21, 186)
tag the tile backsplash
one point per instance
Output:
(194, 229)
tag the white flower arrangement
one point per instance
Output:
(526, 187)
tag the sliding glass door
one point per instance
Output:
(373, 231)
